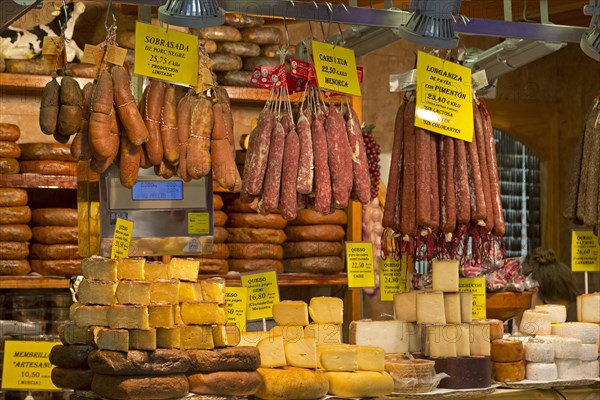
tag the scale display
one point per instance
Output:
(157, 190)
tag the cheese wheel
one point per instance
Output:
(255, 235)
(315, 233)
(225, 383)
(240, 358)
(535, 322)
(569, 368)
(14, 250)
(15, 214)
(508, 372)
(54, 251)
(253, 251)
(247, 220)
(46, 151)
(567, 348)
(12, 197)
(590, 369)
(55, 234)
(72, 378)
(14, 267)
(464, 372)
(584, 331)
(73, 356)
(558, 312)
(588, 308)
(539, 351)
(139, 362)
(9, 166)
(292, 383)
(254, 265)
(54, 217)
(312, 249)
(589, 352)
(541, 371)
(314, 265)
(9, 150)
(507, 350)
(65, 268)
(360, 384)
(49, 167)
(311, 217)
(213, 266)
(15, 233)
(9, 132)
(140, 387)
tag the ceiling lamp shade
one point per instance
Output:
(590, 41)
(191, 13)
(432, 23)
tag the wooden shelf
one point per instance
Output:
(34, 181)
(254, 95)
(31, 82)
(33, 282)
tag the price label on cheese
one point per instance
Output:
(26, 366)
(166, 54)
(335, 67)
(236, 299)
(585, 252)
(121, 238)
(477, 287)
(263, 292)
(198, 223)
(444, 97)
(392, 277)
(359, 259)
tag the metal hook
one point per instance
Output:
(109, 11)
(330, 12)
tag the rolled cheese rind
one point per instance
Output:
(292, 383)
(360, 384)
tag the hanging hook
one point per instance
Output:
(109, 11)
(330, 12)
(340, 26)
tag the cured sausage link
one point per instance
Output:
(485, 176)
(422, 176)
(434, 221)
(360, 167)
(408, 223)
(272, 182)
(478, 206)
(447, 188)
(306, 163)
(322, 174)
(258, 153)
(288, 199)
(461, 183)
(339, 156)
(391, 211)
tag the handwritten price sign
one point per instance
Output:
(359, 258)
(585, 252)
(263, 292)
(121, 238)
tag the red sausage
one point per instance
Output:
(448, 206)
(288, 200)
(272, 182)
(408, 223)
(422, 176)
(339, 156)
(485, 176)
(306, 164)
(391, 212)
(322, 176)
(434, 221)
(461, 183)
(361, 186)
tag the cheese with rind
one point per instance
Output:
(190, 291)
(288, 332)
(168, 338)
(226, 335)
(538, 351)
(541, 371)
(567, 348)
(164, 292)
(272, 352)
(131, 269)
(324, 333)
(452, 309)
(99, 269)
(391, 336)
(444, 274)
(370, 358)
(558, 312)
(405, 306)
(292, 383)
(301, 352)
(91, 315)
(339, 359)
(569, 368)
(202, 313)
(360, 384)
(213, 289)
(196, 337)
(111, 339)
(534, 322)
(92, 292)
(430, 308)
(184, 269)
(589, 352)
(142, 339)
(290, 312)
(128, 317)
(72, 334)
(584, 331)
(156, 271)
(161, 316)
(133, 292)
(508, 372)
(590, 369)
(507, 350)
(326, 310)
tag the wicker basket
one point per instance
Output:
(411, 376)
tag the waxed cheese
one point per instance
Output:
(184, 269)
(288, 332)
(131, 269)
(202, 313)
(91, 315)
(99, 269)
(168, 338)
(190, 291)
(111, 339)
(156, 271)
(133, 292)
(326, 310)
(444, 274)
(91, 292)
(391, 336)
(324, 333)
(161, 316)
(272, 352)
(339, 359)
(301, 352)
(213, 289)
(289, 312)
(128, 317)
(196, 337)
(164, 292)
(430, 308)
(142, 339)
(452, 308)
(405, 306)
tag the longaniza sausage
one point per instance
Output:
(408, 223)
(306, 163)
(322, 174)
(258, 153)
(422, 178)
(168, 126)
(339, 157)
(391, 211)
(461, 184)
(448, 206)
(478, 206)
(485, 176)
(288, 199)
(272, 184)
(361, 185)
(434, 221)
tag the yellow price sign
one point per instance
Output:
(26, 366)
(444, 101)
(236, 299)
(585, 252)
(198, 223)
(335, 67)
(121, 238)
(359, 258)
(477, 287)
(392, 277)
(263, 292)
(166, 54)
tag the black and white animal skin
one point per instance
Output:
(21, 44)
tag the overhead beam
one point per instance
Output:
(10, 11)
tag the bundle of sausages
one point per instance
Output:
(315, 160)
(583, 199)
(174, 132)
(441, 190)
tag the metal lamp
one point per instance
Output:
(590, 41)
(432, 23)
(192, 13)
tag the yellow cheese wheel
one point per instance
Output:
(360, 384)
(292, 383)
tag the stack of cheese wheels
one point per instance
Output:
(216, 263)
(588, 310)
(439, 324)
(9, 149)
(587, 334)
(314, 242)
(254, 240)
(47, 159)
(508, 363)
(72, 370)
(539, 358)
(54, 251)
(14, 232)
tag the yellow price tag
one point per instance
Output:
(166, 54)
(359, 258)
(444, 101)
(26, 366)
(236, 299)
(477, 287)
(335, 67)
(392, 277)
(263, 292)
(198, 223)
(121, 238)
(585, 252)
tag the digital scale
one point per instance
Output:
(170, 216)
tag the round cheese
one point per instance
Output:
(73, 356)
(360, 384)
(507, 350)
(226, 383)
(541, 371)
(139, 362)
(558, 312)
(140, 387)
(590, 369)
(535, 322)
(589, 352)
(569, 368)
(72, 378)
(584, 331)
(508, 372)
(464, 372)
(239, 358)
(567, 348)
(539, 351)
(292, 383)
(496, 327)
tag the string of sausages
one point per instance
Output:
(583, 198)
(314, 157)
(443, 195)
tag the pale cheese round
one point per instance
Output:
(590, 369)
(535, 322)
(569, 369)
(539, 351)
(567, 348)
(541, 371)
(558, 312)
(584, 331)
(589, 352)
